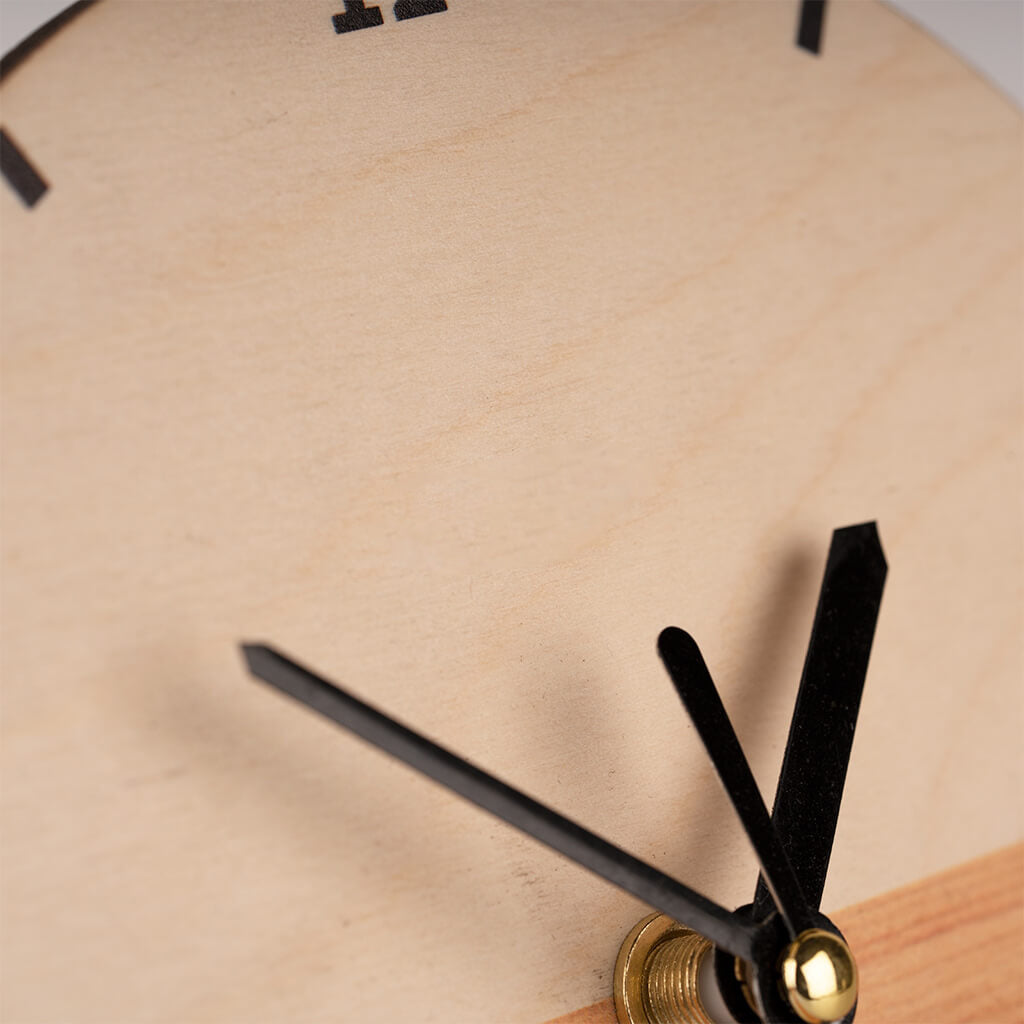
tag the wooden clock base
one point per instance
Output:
(948, 949)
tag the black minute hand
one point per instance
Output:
(814, 766)
(697, 690)
(590, 851)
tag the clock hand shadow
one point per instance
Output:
(280, 805)
(759, 704)
(296, 801)
(569, 753)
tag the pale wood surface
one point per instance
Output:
(459, 357)
(945, 950)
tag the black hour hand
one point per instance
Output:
(693, 682)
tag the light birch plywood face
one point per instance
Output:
(458, 357)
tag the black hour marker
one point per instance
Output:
(357, 15)
(20, 174)
(406, 9)
(812, 24)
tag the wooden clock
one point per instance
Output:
(457, 349)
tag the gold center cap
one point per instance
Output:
(819, 976)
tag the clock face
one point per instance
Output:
(460, 354)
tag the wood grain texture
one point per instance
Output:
(458, 357)
(945, 950)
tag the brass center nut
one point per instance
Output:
(819, 976)
(656, 974)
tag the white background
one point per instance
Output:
(988, 34)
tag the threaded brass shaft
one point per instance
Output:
(670, 994)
